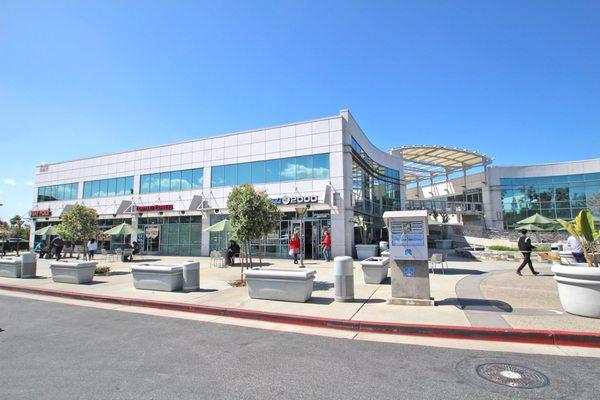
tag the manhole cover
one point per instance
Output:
(512, 375)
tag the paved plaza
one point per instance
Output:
(470, 293)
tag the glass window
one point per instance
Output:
(230, 175)
(175, 181)
(288, 169)
(216, 176)
(272, 170)
(145, 184)
(244, 173)
(96, 189)
(60, 192)
(321, 167)
(165, 181)
(120, 187)
(258, 172)
(304, 167)
(112, 187)
(87, 190)
(186, 179)
(154, 183)
(129, 185)
(198, 176)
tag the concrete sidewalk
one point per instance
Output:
(471, 293)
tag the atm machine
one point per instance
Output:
(409, 260)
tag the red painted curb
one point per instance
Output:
(564, 338)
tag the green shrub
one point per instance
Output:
(502, 248)
(102, 270)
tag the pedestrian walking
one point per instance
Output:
(525, 247)
(92, 247)
(57, 245)
(576, 249)
(326, 243)
(295, 246)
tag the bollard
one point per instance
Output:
(343, 272)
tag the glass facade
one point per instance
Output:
(375, 189)
(66, 191)
(108, 187)
(552, 196)
(175, 236)
(186, 179)
(284, 169)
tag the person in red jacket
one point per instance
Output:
(295, 246)
(326, 244)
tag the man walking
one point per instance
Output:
(58, 244)
(525, 247)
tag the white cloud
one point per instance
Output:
(29, 183)
(10, 182)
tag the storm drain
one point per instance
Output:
(512, 375)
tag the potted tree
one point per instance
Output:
(364, 250)
(579, 286)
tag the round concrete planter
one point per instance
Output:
(578, 289)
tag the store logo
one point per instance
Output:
(286, 200)
(40, 213)
(155, 207)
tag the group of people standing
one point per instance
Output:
(296, 245)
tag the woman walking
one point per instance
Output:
(326, 244)
(295, 246)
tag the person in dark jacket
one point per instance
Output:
(525, 247)
(57, 245)
(232, 251)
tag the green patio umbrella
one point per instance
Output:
(46, 231)
(123, 229)
(530, 228)
(537, 219)
(221, 226)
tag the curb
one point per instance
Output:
(549, 337)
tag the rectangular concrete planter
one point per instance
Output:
(164, 278)
(280, 284)
(73, 271)
(375, 269)
(19, 267)
(364, 251)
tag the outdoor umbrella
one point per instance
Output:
(123, 229)
(46, 231)
(530, 228)
(220, 227)
(537, 219)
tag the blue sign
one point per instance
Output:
(408, 252)
(409, 271)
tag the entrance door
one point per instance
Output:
(151, 239)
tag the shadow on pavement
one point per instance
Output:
(322, 286)
(320, 300)
(476, 304)
(460, 271)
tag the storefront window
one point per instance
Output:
(172, 181)
(66, 191)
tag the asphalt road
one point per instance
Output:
(56, 351)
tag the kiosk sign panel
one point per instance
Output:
(408, 236)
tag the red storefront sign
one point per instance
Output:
(155, 207)
(40, 213)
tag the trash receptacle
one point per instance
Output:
(343, 273)
(191, 276)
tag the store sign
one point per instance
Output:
(40, 213)
(155, 207)
(286, 200)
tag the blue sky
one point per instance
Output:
(517, 80)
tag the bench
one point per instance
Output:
(280, 284)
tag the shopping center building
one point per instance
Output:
(325, 169)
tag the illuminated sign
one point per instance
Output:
(155, 207)
(41, 213)
(286, 200)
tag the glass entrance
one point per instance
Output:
(311, 238)
(151, 239)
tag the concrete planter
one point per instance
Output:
(443, 244)
(364, 251)
(73, 271)
(375, 269)
(164, 278)
(19, 267)
(280, 284)
(578, 289)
